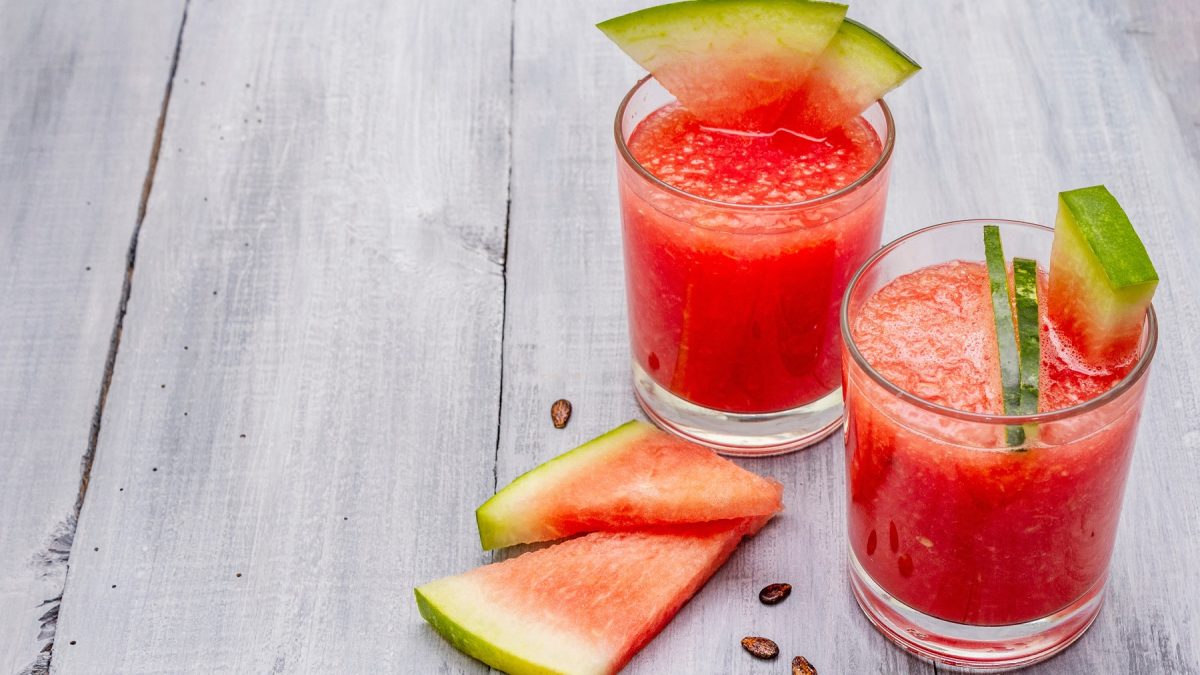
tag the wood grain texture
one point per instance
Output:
(305, 398)
(1167, 36)
(81, 87)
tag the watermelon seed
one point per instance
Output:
(760, 647)
(801, 666)
(560, 413)
(774, 594)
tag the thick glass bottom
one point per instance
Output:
(974, 648)
(739, 434)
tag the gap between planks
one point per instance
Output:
(512, 77)
(59, 549)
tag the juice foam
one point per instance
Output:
(740, 168)
(957, 365)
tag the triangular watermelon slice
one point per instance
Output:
(584, 606)
(857, 69)
(734, 64)
(631, 477)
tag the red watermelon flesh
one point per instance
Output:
(631, 477)
(584, 606)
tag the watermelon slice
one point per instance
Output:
(734, 64)
(582, 606)
(1101, 278)
(857, 68)
(631, 477)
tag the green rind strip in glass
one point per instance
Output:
(1029, 339)
(1010, 365)
(1002, 311)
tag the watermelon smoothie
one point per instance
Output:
(996, 555)
(737, 250)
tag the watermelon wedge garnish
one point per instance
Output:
(857, 68)
(631, 477)
(734, 64)
(1101, 278)
(583, 606)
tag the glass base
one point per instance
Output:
(739, 434)
(974, 648)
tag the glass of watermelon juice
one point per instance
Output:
(963, 547)
(737, 250)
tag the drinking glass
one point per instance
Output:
(963, 549)
(733, 307)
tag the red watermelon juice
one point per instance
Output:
(965, 548)
(738, 248)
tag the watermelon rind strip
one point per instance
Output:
(1028, 331)
(1010, 366)
(1002, 311)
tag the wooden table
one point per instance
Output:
(288, 289)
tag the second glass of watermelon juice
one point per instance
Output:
(965, 548)
(738, 248)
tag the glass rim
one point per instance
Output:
(889, 143)
(1150, 331)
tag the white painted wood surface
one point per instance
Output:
(307, 389)
(81, 86)
(328, 236)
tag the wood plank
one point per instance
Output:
(304, 409)
(1165, 34)
(81, 88)
(1015, 103)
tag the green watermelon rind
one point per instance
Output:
(868, 59)
(729, 61)
(1029, 335)
(808, 20)
(494, 518)
(1101, 223)
(1006, 342)
(458, 615)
